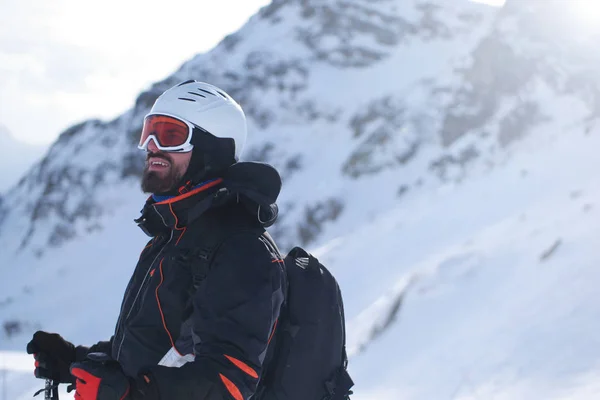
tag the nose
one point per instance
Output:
(152, 148)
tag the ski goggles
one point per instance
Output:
(168, 133)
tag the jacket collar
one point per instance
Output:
(255, 186)
(172, 213)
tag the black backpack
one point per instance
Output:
(306, 358)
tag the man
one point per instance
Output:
(179, 337)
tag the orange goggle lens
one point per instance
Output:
(169, 131)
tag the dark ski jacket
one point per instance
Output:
(223, 325)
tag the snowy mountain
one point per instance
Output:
(18, 157)
(440, 156)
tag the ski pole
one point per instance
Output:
(50, 390)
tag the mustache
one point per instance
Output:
(159, 155)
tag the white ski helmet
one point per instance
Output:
(207, 107)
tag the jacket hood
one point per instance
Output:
(258, 186)
(254, 185)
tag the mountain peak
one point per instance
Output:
(384, 78)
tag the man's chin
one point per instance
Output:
(158, 181)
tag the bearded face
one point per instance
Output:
(164, 170)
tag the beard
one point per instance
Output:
(161, 181)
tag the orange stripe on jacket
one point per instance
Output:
(184, 229)
(243, 366)
(233, 390)
(273, 331)
(162, 315)
(126, 395)
(191, 192)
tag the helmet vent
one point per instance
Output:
(186, 82)
(225, 97)
(186, 99)
(197, 94)
(206, 91)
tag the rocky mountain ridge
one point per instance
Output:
(387, 83)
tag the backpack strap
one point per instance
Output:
(339, 387)
(205, 254)
(203, 260)
(210, 237)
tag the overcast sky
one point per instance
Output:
(64, 61)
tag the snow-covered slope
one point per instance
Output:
(295, 91)
(17, 157)
(440, 156)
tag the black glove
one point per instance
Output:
(53, 356)
(101, 378)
